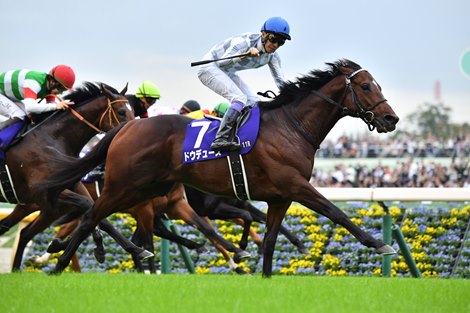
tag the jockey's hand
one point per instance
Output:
(63, 105)
(253, 52)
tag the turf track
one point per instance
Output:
(37, 292)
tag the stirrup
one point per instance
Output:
(225, 145)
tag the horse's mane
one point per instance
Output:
(88, 91)
(294, 91)
(80, 95)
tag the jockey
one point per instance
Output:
(147, 94)
(218, 111)
(189, 106)
(20, 91)
(222, 76)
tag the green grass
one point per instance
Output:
(37, 292)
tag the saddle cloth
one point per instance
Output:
(201, 133)
(7, 135)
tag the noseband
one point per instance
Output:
(363, 113)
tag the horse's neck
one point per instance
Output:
(317, 115)
(72, 133)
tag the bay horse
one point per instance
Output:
(144, 157)
(98, 107)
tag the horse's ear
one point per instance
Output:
(106, 91)
(123, 92)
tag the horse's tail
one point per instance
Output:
(71, 170)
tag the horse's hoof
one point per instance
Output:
(240, 271)
(99, 255)
(386, 250)
(144, 255)
(55, 246)
(239, 256)
(202, 249)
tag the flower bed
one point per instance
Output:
(433, 232)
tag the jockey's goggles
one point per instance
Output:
(276, 38)
(150, 100)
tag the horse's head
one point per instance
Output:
(364, 99)
(118, 109)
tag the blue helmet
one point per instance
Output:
(277, 25)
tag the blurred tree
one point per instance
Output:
(432, 119)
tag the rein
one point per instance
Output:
(109, 110)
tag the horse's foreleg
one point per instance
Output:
(260, 217)
(276, 213)
(125, 243)
(312, 199)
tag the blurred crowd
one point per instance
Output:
(419, 169)
(411, 173)
(406, 146)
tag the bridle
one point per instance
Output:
(109, 112)
(363, 113)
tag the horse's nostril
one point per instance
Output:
(392, 119)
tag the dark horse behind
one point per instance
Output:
(98, 107)
(144, 158)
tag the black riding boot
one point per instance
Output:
(225, 139)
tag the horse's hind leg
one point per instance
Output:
(231, 263)
(41, 222)
(137, 240)
(19, 212)
(226, 211)
(160, 230)
(182, 210)
(144, 216)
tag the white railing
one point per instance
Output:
(396, 194)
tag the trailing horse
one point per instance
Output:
(98, 107)
(278, 167)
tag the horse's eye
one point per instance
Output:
(365, 87)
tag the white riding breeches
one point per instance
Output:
(228, 85)
(10, 109)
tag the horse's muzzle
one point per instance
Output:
(386, 123)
